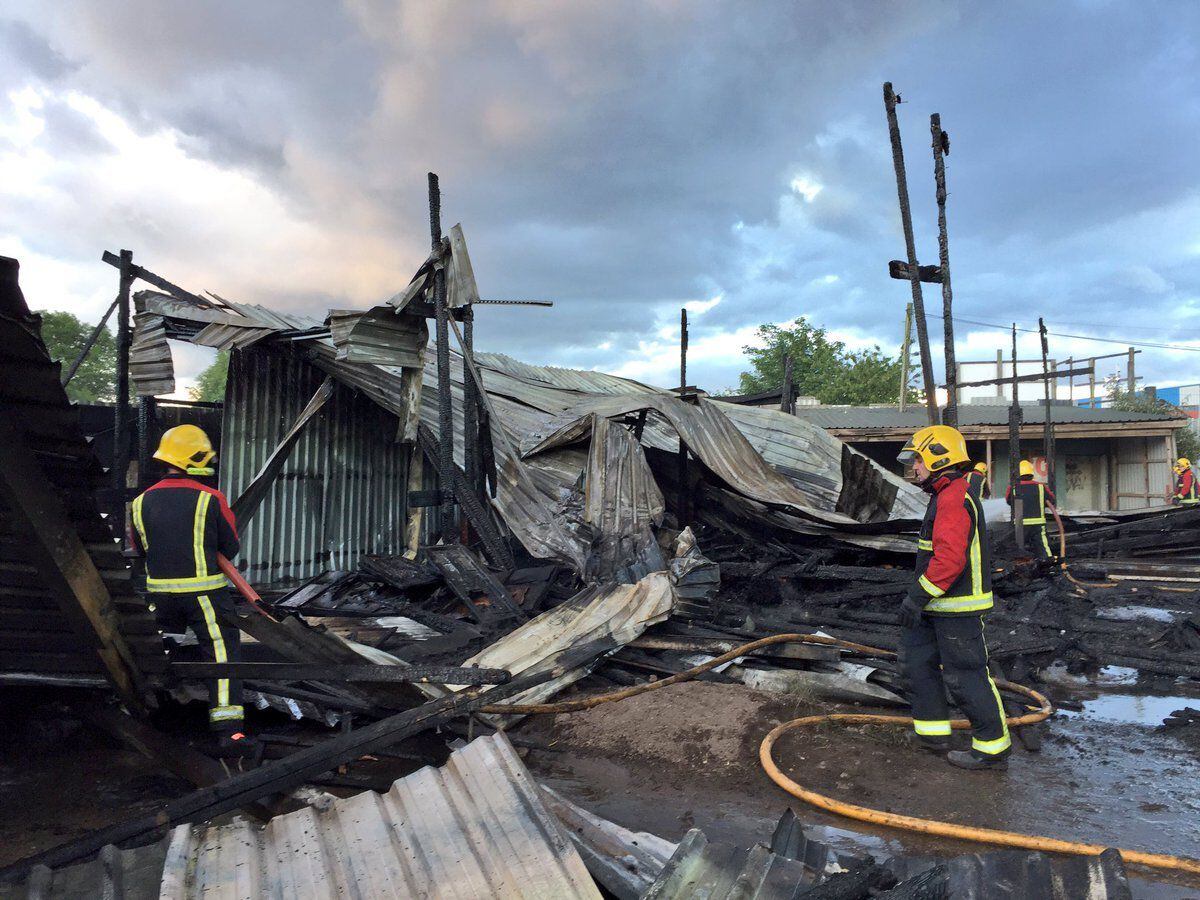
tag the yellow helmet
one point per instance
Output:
(186, 447)
(939, 446)
(1026, 468)
(1182, 463)
(981, 468)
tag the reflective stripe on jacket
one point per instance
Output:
(953, 557)
(1033, 496)
(180, 525)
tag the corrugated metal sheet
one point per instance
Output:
(888, 417)
(341, 493)
(476, 827)
(35, 636)
(1143, 471)
(700, 870)
(150, 365)
(378, 336)
(1021, 874)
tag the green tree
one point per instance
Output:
(210, 385)
(821, 367)
(1186, 441)
(96, 380)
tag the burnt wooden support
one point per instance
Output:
(293, 770)
(681, 509)
(1036, 376)
(445, 397)
(1014, 447)
(265, 671)
(53, 547)
(453, 479)
(90, 342)
(139, 273)
(252, 497)
(941, 146)
(121, 417)
(1048, 449)
(890, 99)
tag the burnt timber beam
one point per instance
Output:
(62, 561)
(157, 280)
(292, 771)
(252, 497)
(902, 271)
(941, 146)
(90, 342)
(259, 671)
(493, 543)
(1035, 376)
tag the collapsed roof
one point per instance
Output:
(766, 466)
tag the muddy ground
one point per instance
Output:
(688, 756)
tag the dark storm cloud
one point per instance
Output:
(627, 157)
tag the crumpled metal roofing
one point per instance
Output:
(476, 827)
(533, 494)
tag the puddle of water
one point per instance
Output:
(1131, 709)
(1117, 675)
(1145, 613)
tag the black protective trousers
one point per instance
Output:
(1038, 541)
(211, 616)
(942, 652)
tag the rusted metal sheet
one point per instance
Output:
(476, 827)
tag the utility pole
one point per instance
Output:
(906, 357)
(1014, 448)
(121, 417)
(683, 453)
(445, 398)
(941, 146)
(787, 397)
(889, 102)
(1048, 449)
(1132, 376)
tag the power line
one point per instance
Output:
(1076, 337)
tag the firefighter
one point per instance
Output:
(941, 641)
(978, 481)
(1186, 493)
(1034, 497)
(180, 525)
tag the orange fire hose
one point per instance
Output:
(862, 813)
(1062, 556)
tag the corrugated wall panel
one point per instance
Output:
(1143, 471)
(341, 493)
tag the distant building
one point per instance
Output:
(1105, 459)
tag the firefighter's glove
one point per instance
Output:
(913, 606)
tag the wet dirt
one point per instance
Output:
(60, 780)
(688, 756)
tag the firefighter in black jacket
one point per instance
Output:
(180, 525)
(941, 641)
(1034, 496)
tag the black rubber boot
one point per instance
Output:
(939, 744)
(966, 759)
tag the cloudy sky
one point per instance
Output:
(623, 159)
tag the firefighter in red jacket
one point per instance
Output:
(977, 480)
(180, 525)
(941, 642)
(1034, 496)
(1186, 492)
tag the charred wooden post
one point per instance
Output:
(890, 99)
(941, 146)
(684, 514)
(121, 417)
(147, 407)
(1048, 449)
(445, 398)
